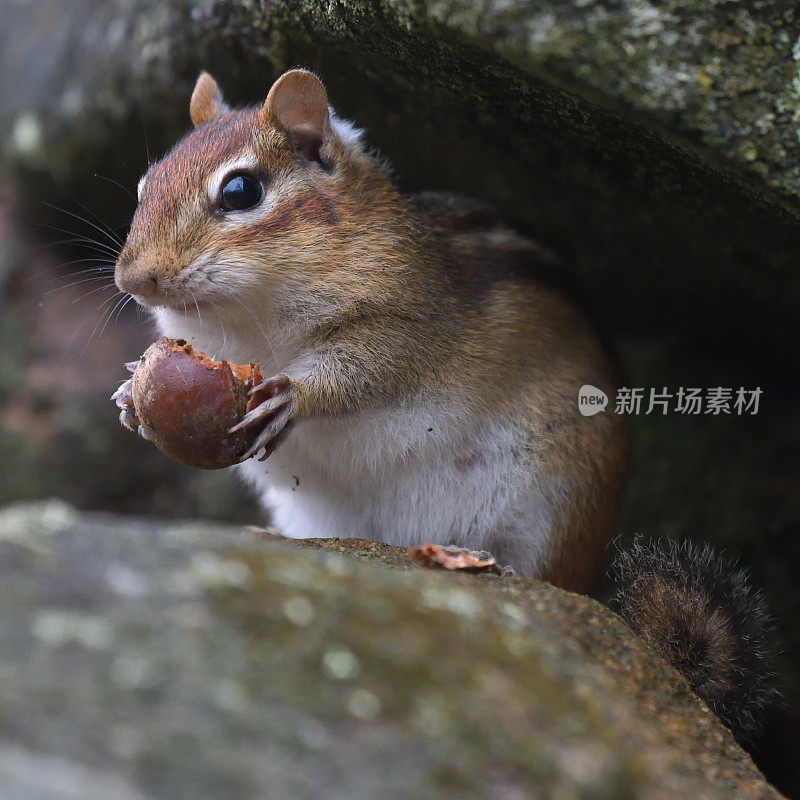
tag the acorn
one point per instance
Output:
(187, 402)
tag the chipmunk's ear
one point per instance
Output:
(297, 103)
(207, 102)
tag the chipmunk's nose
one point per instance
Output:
(135, 277)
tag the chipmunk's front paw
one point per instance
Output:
(274, 414)
(123, 398)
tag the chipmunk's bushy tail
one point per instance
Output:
(699, 612)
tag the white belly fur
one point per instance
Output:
(339, 478)
(383, 475)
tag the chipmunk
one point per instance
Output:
(424, 383)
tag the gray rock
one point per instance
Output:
(141, 660)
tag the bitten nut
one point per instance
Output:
(187, 403)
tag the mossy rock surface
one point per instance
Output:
(141, 659)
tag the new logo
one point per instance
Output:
(591, 400)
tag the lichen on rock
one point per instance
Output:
(150, 660)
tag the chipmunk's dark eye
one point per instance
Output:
(240, 192)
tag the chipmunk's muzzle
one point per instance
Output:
(145, 275)
(136, 278)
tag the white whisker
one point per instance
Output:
(122, 308)
(94, 330)
(199, 317)
(221, 325)
(117, 305)
(258, 325)
(92, 291)
(109, 234)
(76, 283)
(87, 240)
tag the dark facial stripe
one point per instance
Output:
(306, 208)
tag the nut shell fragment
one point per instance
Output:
(186, 403)
(434, 556)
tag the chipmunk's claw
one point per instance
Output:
(272, 386)
(128, 419)
(123, 398)
(273, 434)
(261, 411)
(124, 390)
(275, 412)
